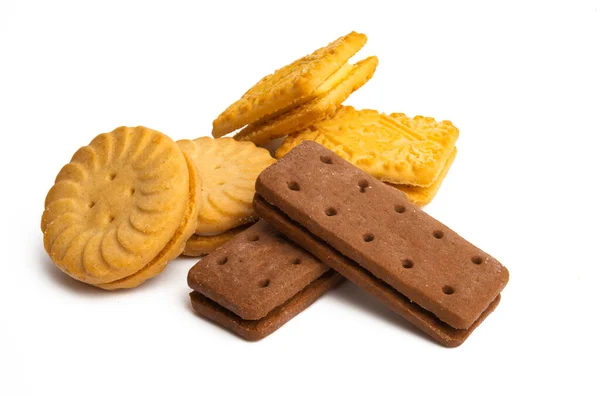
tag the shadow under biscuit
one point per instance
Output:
(74, 286)
(353, 296)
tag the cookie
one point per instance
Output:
(307, 114)
(393, 148)
(422, 319)
(257, 281)
(228, 169)
(422, 196)
(299, 82)
(200, 245)
(121, 209)
(377, 227)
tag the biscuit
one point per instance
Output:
(228, 169)
(257, 281)
(425, 321)
(300, 81)
(393, 148)
(200, 245)
(422, 196)
(307, 114)
(377, 227)
(121, 209)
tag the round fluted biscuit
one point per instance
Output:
(200, 245)
(229, 170)
(121, 209)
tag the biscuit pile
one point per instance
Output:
(304, 102)
(133, 200)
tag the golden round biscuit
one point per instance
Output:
(201, 245)
(121, 209)
(229, 170)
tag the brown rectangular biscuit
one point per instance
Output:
(254, 330)
(258, 281)
(419, 317)
(377, 227)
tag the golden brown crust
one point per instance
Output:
(117, 206)
(393, 148)
(229, 170)
(288, 84)
(307, 114)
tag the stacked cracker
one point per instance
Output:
(304, 102)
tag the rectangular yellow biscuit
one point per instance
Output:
(393, 148)
(298, 81)
(307, 114)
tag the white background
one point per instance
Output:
(521, 82)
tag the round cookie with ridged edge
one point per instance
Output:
(229, 170)
(121, 209)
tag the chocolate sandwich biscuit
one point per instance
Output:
(424, 320)
(376, 226)
(257, 281)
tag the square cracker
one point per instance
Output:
(307, 114)
(288, 84)
(393, 148)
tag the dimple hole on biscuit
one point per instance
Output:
(363, 185)
(326, 159)
(264, 283)
(222, 261)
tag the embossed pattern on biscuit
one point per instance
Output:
(229, 170)
(393, 148)
(116, 205)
